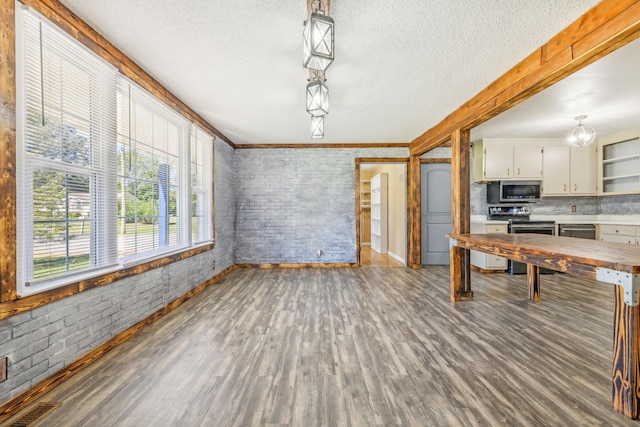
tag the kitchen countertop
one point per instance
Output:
(633, 220)
(590, 219)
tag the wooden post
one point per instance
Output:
(533, 282)
(413, 213)
(626, 355)
(460, 268)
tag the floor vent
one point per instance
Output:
(35, 415)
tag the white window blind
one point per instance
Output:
(153, 153)
(201, 185)
(66, 165)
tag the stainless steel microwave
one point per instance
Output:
(513, 191)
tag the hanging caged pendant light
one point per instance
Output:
(318, 41)
(317, 98)
(317, 127)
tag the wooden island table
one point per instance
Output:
(610, 263)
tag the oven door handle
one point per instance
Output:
(533, 227)
(578, 229)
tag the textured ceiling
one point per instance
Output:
(400, 67)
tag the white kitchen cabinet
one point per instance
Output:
(505, 159)
(568, 170)
(498, 163)
(487, 261)
(527, 161)
(379, 213)
(614, 233)
(556, 174)
(584, 171)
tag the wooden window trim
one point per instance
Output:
(325, 145)
(8, 151)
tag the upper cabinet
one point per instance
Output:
(608, 168)
(504, 159)
(584, 170)
(568, 170)
(620, 163)
(497, 163)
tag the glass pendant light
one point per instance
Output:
(318, 41)
(317, 98)
(581, 136)
(317, 127)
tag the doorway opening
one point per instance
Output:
(381, 212)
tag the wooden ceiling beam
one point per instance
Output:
(604, 28)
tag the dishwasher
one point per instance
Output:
(582, 231)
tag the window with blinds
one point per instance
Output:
(107, 174)
(66, 167)
(201, 170)
(153, 147)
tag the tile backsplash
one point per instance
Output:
(604, 205)
(620, 205)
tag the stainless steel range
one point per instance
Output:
(520, 222)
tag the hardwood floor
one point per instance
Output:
(371, 258)
(359, 347)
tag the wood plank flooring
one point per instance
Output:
(371, 258)
(359, 347)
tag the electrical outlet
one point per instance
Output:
(573, 208)
(319, 253)
(4, 363)
(213, 265)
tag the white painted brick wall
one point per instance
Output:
(293, 202)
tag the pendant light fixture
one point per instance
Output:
(317, 127)
(581, 136)
(317, 56)
(317, 97)
(318, 40)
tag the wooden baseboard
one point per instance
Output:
(483, 271)
(301, 265)
(24, 399)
